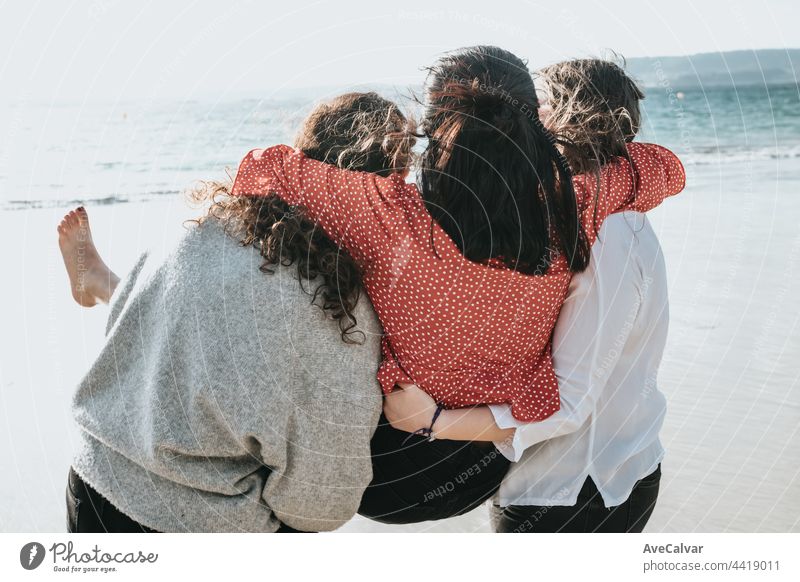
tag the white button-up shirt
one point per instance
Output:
(607, 347)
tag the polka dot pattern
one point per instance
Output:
(467, 333)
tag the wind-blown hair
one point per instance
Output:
(355, 131)
(595, 110)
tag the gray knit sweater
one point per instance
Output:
(223, 399)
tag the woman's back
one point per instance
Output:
(209, 407)
(466, 332)
(456, 326)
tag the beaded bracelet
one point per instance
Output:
(427, 432)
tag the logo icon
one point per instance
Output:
(31, 555)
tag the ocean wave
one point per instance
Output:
(93, 200)
(703, 155)
(708, 155)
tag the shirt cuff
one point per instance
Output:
(510, 448)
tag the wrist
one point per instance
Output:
(440, 425)
(428, 430)
(437, 414)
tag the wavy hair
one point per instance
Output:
(355, 131)
(594, 110)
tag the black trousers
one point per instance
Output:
(90, 512)
(416, 480)
(588, 515)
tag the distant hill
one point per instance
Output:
(725, 69)
(706, 70)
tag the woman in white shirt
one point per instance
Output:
(595, 464)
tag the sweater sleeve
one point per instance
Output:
(652, 174)
(354, 209)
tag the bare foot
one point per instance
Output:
(91, 280)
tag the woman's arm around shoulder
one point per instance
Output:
(649, 175)
(409, 408)
(355, 209)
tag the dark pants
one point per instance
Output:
(90, 512)
(417, 480)
(588, 515)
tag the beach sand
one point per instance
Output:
(731, 371)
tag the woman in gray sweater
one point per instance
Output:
(221, 401)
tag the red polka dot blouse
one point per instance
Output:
(467, 333)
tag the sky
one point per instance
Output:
(114, 49)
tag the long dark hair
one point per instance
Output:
(491, 174)
(355, 131)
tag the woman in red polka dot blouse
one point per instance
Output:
(467, 271)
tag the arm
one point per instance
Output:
(652, 174)
(355, 209)
(409, 408)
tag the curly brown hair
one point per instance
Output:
(355, 131)
(595, 110)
